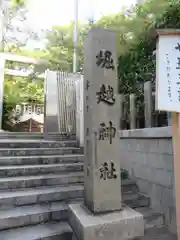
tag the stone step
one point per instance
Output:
(10, 199)
(41, 180)
(159, 234)
(31, 215)
(48, 231)
(131, 195)
(37, 135)
(42, 194)
(34, 137)
(20, 133)
(62, 231)
(33, 160)
(133, 202)
(152, 218)
(29, 170)
(59, 137)
(38, 151)
(129, 188)
(130, 185)
(24, 143)
(14, 137)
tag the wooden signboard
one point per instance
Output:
(168, 95)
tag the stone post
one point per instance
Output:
(102, 217)
(102, 114)
(2, 65)
(121, 102)
(148, 104)
(132, 100)
(51, 103)
(80, 111)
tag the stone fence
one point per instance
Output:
(147, 155)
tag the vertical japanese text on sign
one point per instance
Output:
(178, 68)
(169, 77)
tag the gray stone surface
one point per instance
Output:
(80, 110)
(159, 234)
(29, 170)
(41, 180)
(36, 189)
(125, 224)
(21, 143)
(150, 163)
(10, 152)
(152, 218)
(40, 195)
(100, 196)
(36, 135)
(51, 102)
(47, 231)
(44, 159)
(160, 132)
(29, 215)
(141, 201)
(153, 234)
(59, 136)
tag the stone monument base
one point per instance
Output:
(120, 225)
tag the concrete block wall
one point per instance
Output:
(148, 156)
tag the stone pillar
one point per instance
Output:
(148, 104)
(51, 103)
(2, 65)
(102, 217)
(80, 111)
(102, 114)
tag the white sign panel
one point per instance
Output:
(168, 73)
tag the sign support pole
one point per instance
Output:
(176, 152)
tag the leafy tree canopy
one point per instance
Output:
(136, 41)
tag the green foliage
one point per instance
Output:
(18, 90)
(18, 3)
(136, 43)
(137, 60)
(60, 47)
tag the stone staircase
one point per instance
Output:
(34, 135)
(154, 221)
(39, 178)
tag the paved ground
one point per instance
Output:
(159, 234)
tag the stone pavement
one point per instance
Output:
(159, 234)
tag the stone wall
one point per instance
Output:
(147, 155)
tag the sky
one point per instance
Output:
(46, 13)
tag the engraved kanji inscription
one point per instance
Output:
(107, 171)
(106, 95)
(107, 132)
(104, 59)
